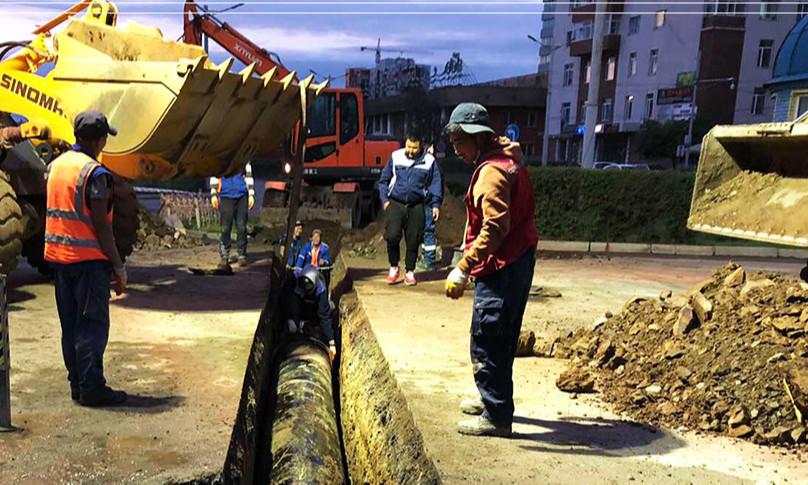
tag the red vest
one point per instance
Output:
(522, 234)
(69, 232)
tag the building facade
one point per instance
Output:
(788, 88)
(652, 58)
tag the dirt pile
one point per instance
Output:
(154, 233)
(730, 357)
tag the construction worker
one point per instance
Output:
(80, 245)
(429, 246)
(500, 252)
(234, 197)
(295, 248)
(315, 252)
(410, 183)
(304, 301)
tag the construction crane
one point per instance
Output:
(378, 49)
(342, 167)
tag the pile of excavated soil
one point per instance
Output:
(730, 357)
(369, 242)
(154, 233)
(778, 204)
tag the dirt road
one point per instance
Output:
(560, 439)
(178, 342)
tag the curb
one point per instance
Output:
(671, 249)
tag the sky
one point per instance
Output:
(326, 36)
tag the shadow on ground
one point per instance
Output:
(598, 437)
(139, 403)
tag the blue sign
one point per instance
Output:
(581, 129)
(512, 132)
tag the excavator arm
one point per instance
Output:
(178, 114)
(198, 22)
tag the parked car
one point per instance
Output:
(627, 166)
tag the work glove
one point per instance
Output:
(435, 214)
(121, 279)
(250, 202)
(214, 201)
(291, 325)
(332, 350)
(456, 283)
(35, 129)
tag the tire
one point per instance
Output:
(33, 250)
(125, 222)
(10, 226)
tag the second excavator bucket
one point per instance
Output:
(752, 183)
(177, 113)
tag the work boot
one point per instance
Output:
(103, 398)
(392, 275)
(482, 426)
(224, 263)
(242, 261)
(409, 279)
(475, 407)
(74, 392)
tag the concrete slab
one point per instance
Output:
(598, 247)
(630, 248)
(792, 253)
(746, 251)
(564, 246)
(690, 250)
(668, 249)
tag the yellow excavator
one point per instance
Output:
(752, 183)
(177, 113)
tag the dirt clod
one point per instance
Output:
(576, 380)
(730, 361)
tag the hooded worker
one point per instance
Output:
(499, 252)
(304, 301)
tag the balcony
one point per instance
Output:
(723, 22)
(580, 48)
(583, 11)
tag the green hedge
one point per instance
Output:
(613, 205)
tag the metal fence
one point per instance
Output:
(194, 210)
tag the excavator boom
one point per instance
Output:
(177, 113)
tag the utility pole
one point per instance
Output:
(689, 138)
(593, 96)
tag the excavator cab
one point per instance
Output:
(752, 183)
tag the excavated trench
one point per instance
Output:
(302, 420)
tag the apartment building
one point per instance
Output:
(652, 56)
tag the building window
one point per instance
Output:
(568, 73)
(510, 118)
(611, 68)
(613, 25)
(632, 64)
(649, 106)
(528, 150)
(584, 31)
(544, 60)
(653, 62)
(634, 25)
(765, 53)
(629, 107)
(565, 115)
(774, 106)
(607, 110)
(724, 7)
(659, 18)
(532, 118)
(587, 72)
(570, 37)
(582, 114)
(758, 100)
(768, 10)
(801, 104)
(802, 10)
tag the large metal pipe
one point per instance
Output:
(305, 439)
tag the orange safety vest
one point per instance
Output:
(69, 233)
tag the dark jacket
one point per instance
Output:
(411, 181)
(294, 249)
(314, 309)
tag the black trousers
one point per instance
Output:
(408, 220)
(229, 210)
(82, 300)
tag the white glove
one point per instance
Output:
(456, 283)
(292, 326)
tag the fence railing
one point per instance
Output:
(194, 210)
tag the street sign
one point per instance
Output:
(675, 95)
(512, 132)
(581, 129)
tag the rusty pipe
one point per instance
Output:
(305, 439)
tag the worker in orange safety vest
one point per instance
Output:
(80, 246)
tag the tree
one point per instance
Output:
(659, 140)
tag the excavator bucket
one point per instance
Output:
(752, 183)
(177, 113)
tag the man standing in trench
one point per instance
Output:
(80, 245)
(500, 252)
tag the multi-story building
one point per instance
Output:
(652, 57)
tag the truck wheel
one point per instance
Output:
(10, 226)
(125, 223)
(33, 250)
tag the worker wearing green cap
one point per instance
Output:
(500, 252)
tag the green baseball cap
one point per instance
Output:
(471, 118)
